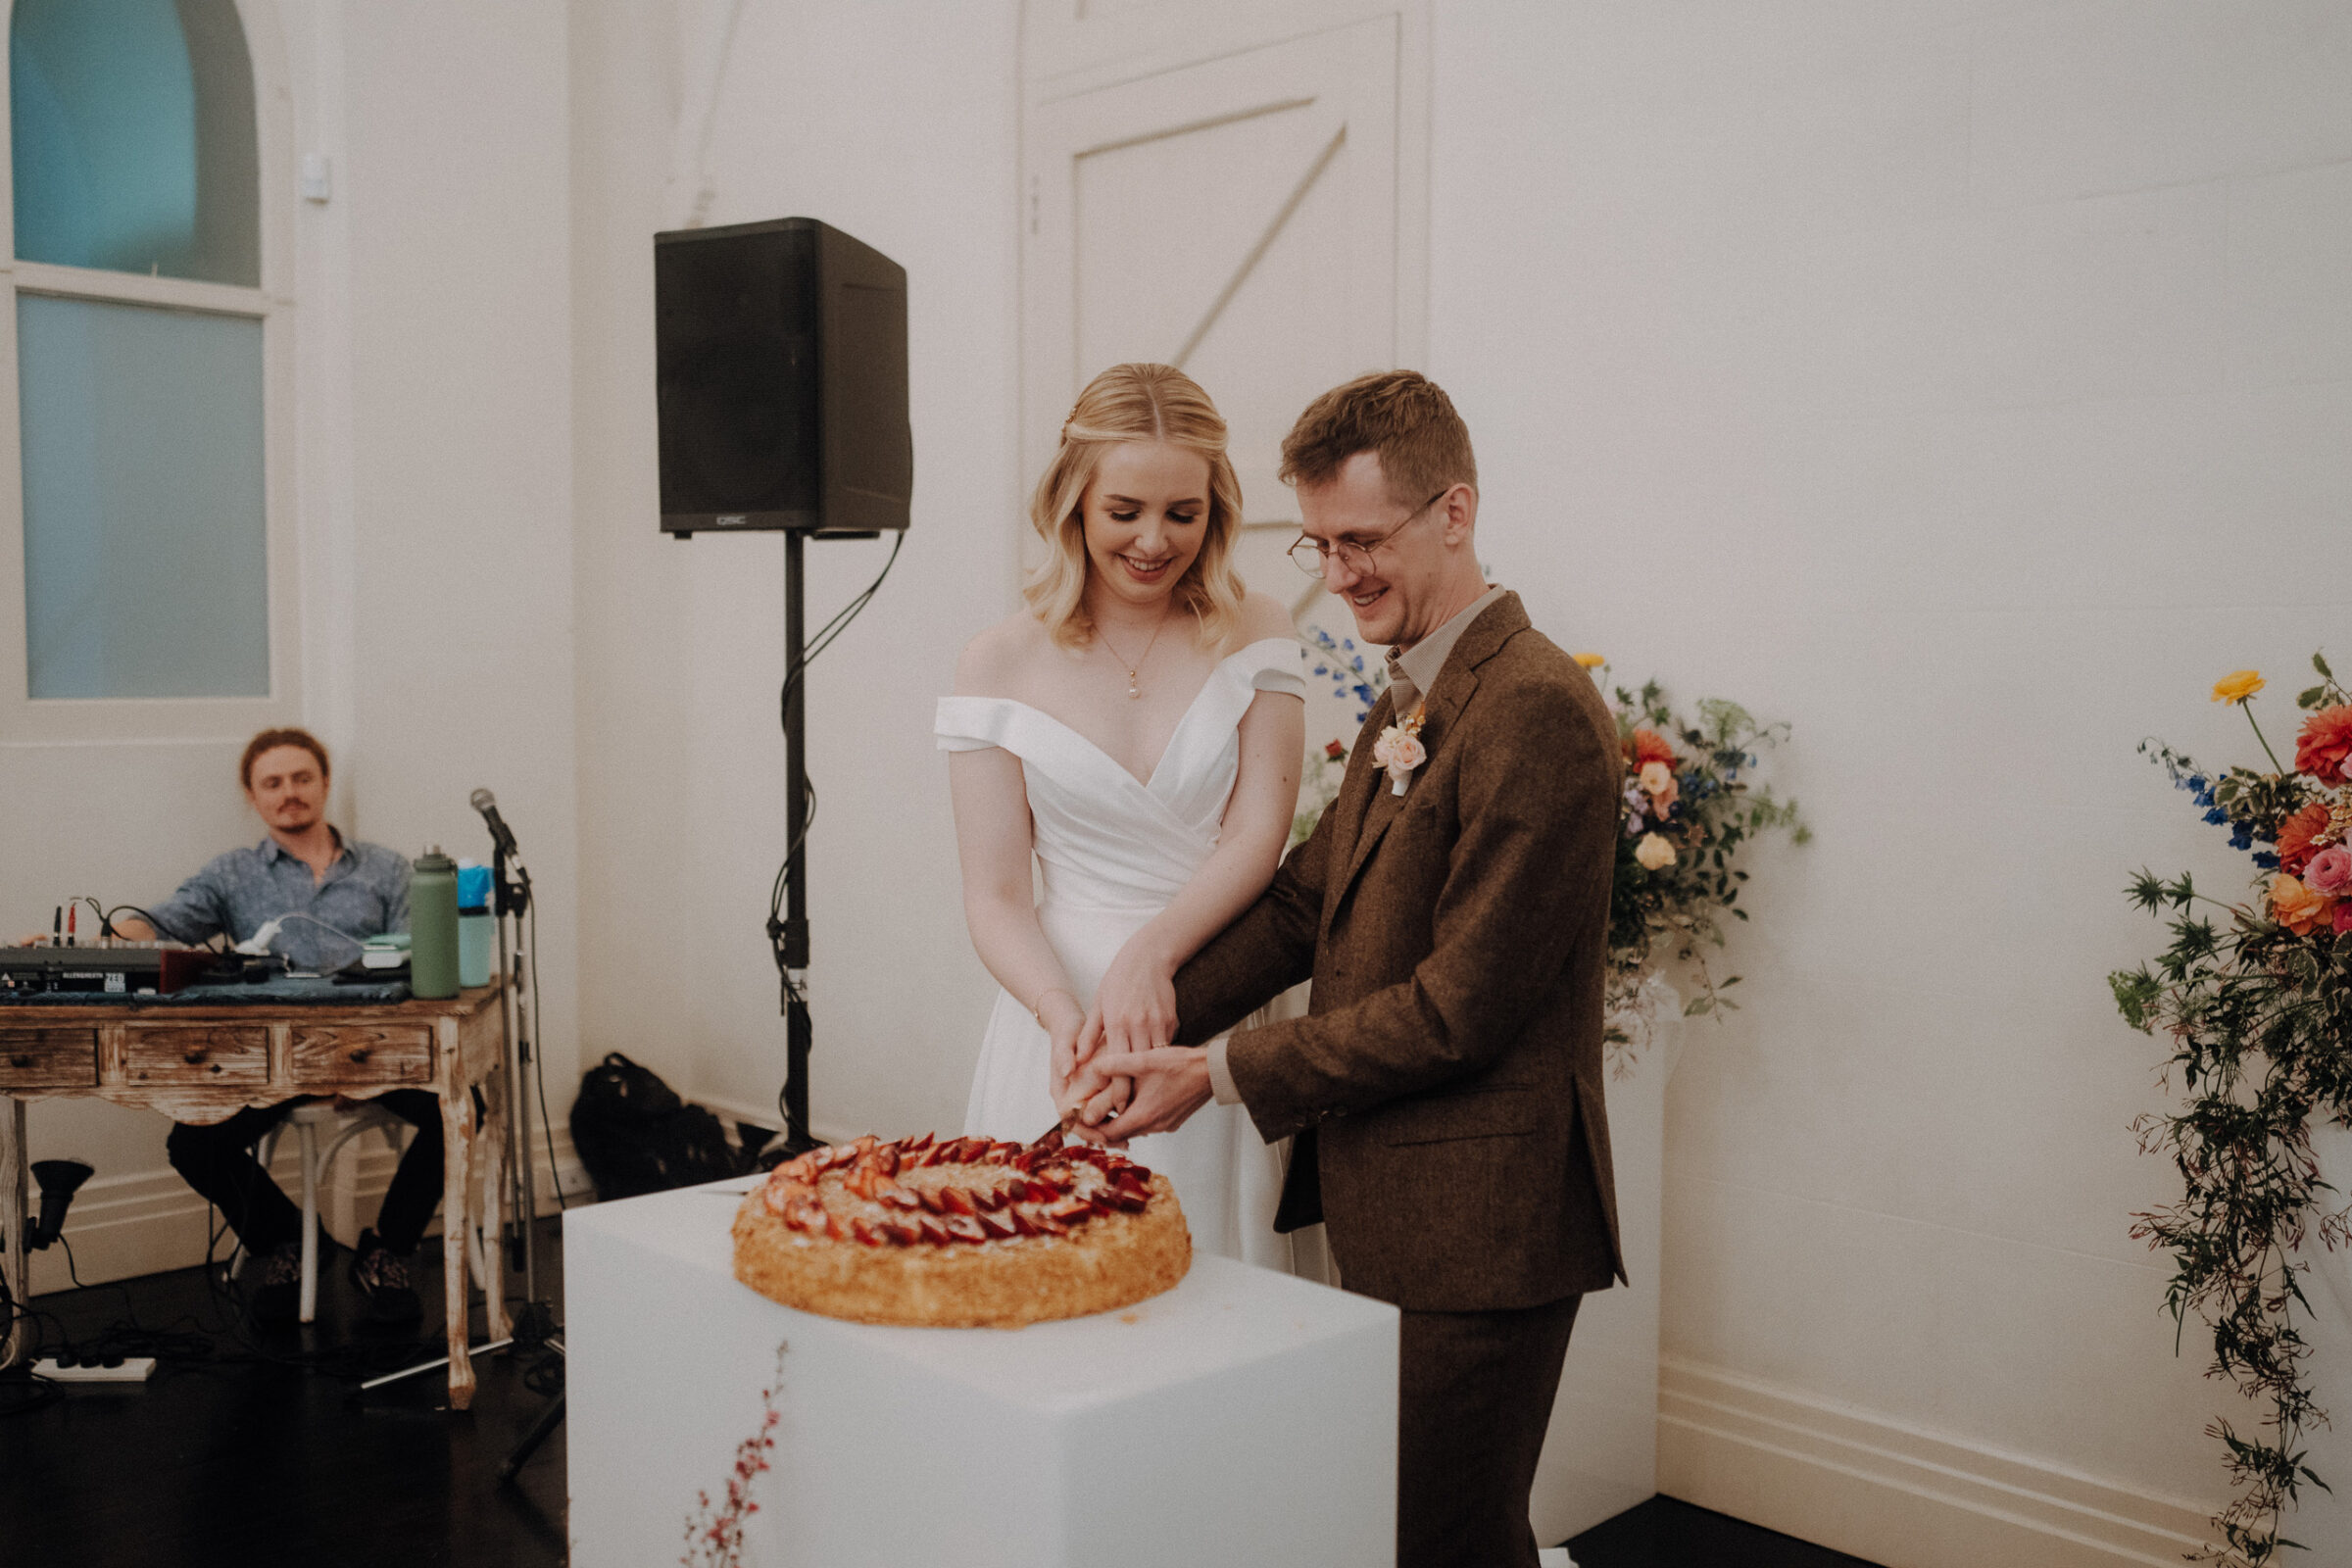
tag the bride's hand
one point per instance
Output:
(1136, 1001)
(1064, 1022)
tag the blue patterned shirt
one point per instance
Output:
(364, 892)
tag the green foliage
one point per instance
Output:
(2259, 1019)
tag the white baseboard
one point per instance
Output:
(144, 1222)
(1891, 1494)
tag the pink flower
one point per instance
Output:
(2329, 871)
(2342, 916)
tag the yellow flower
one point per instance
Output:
(1592, 661)
(2237, 686)
(1653, 853)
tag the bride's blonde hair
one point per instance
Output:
(1134, 402)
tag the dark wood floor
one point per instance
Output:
(247, 1451)
(1663, 1532)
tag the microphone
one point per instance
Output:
(500, 833)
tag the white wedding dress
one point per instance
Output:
(1114, 852)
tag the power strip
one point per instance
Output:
(134, 1369)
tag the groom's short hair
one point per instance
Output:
(1404, 415)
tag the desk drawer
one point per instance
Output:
(355, 1054)
(197, 1054)
(48, 1059)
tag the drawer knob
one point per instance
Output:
(359, 1053)
(192, 1056)
(19, 1060)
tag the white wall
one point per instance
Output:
(1968, 385)
(433, 402)
(895, 122)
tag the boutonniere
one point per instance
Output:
(1399, 750)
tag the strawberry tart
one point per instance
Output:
(961, 1232)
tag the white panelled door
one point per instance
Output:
(1239, 217)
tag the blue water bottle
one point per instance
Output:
(478, 927)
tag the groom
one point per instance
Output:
(1451, 908)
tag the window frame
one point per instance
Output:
(53, 719)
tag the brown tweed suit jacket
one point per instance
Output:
(1445, 1088)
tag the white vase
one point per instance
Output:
(1600, 1455)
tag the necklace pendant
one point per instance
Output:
(1134, 692)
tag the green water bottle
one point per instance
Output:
(433, 925)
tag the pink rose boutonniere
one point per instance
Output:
(1399, 750)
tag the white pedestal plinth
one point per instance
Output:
(1244, 1417)
(1600, 1454)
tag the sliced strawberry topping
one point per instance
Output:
(966, 1228)
(956, 1200)
(933, 1230)
(865, 1233)
(999, 1226)
(909, 1146)
(1021, 1220)
(899, 1233)
(1070, 1209)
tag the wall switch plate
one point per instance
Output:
(134, 1369)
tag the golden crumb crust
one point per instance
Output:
(1111, 1261)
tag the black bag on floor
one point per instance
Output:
(635, 1135)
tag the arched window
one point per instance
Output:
(141, 338)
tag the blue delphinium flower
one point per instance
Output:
(2264, 860)
(2217, 816)
(2241, 838)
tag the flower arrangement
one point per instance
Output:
(1689, 805)
(714, 1533)
(1338, 660)
(2256, 999)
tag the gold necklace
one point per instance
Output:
(1134, 691)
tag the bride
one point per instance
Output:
(1137, 733)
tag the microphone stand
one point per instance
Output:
(535, 1326)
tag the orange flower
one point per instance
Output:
(2295, 835)
(2296, 907)
(2323, 742)
(1650, 746)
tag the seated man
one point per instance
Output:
(329, 894)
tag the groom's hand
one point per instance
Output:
(1171, 1082)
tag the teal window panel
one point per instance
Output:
(134, 139)
(146, 562)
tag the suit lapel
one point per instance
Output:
(1479, 642)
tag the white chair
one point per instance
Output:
(316, 1162)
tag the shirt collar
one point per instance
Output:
(1415, 670)
(273, 852)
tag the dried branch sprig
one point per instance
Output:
(714, 1531)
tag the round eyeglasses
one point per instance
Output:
(1312, 556)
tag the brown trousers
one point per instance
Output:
(1476, 1396)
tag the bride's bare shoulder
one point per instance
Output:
(1001, 659)
(1262, 616)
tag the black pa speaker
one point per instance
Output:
(781, 352)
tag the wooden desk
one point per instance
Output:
(202, 1063)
